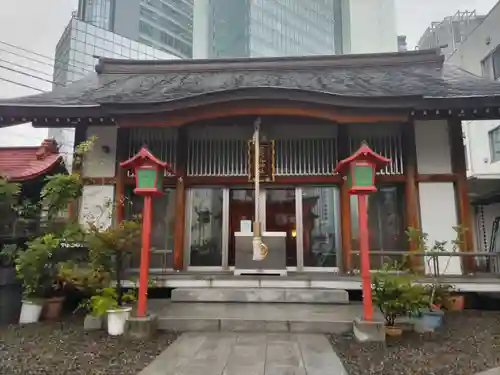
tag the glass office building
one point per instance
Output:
(258, 28)
(163, 24)
(76, 55)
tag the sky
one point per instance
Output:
(43, 22)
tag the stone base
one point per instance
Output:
(365, 331)
(261, 295)
(93, 323)
(141, 328)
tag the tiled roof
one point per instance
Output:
(25, 163)
(407, 80)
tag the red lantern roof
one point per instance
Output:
(142, 157)
(364, 153)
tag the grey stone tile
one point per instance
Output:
(187, 325)
(285, 370)
(317, 296)
(247, 354)
(281, 337)
(284, 354)
(320, 327)
(238, 325)
(177, 355)
(319, 357)
(252, 338)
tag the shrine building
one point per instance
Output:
(200, 116)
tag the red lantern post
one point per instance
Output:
(149, 173)
(360, 169)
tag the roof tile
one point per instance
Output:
(25, 163)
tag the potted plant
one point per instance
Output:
(10, 286)
(396, 296)
(87, 279)
(430, 317)
(37, 273)
(110, 247)
(117, 312)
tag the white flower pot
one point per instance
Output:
(117, 320)
(30, 312)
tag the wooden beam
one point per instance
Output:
(120, 173)
(180, 200)
(99, 180)
(242, 108)
(345, 203)
(279, 180)
(412, 217)
(459, 167)
(450, 177)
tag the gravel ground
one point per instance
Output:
(468, 342)
(64, 348)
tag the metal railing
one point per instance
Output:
(430, 262)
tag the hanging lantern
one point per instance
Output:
(360, 170)
(148, 171)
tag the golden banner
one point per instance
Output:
(266, 161)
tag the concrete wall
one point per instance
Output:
(478, 148)
(438, 207)
(97, 201)
(371, 26)
(482, 41)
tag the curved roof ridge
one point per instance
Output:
(122, 66)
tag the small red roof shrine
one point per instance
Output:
(360, 169)
(20, 164)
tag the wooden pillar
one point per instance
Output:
(411, 192)
(459, 168)
(180, 199)
(80, 136)
(121, 155)
(345, 200)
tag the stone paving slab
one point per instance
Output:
(255, 317)
(262, 295)
(247, 354)
(493, 371)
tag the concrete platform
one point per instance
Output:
(262, 295)
(302, 280)
(254, 317)
(247, 354)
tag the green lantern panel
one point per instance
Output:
(146, 178)
(362, 176)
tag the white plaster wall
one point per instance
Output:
(371, 26)
(433, 147)
(97, 162)
(438, 214)
(96, 205)
(482, 41)
(479, 163)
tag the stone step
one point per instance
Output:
(255, 317)
(261, 295)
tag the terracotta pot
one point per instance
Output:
(454, 303)
(52, 308)
(393, 331)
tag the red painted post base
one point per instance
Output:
(144, 267)
(365, 258)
